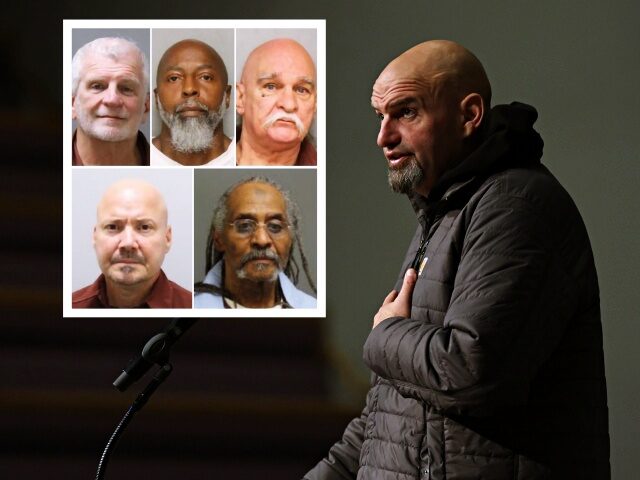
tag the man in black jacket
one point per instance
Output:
(488, 354)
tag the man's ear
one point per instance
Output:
(240, 98)
(227, 96)
(218, 244)
(168, 236)
(147, 103)
(73, 108)
(472, 110)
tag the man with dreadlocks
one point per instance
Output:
(250, 262)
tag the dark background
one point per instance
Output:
(576, 61)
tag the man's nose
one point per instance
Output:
(128, 239)
(112, 97)
(261, 237)
(287, 100)
(189, 87)
(388, 136)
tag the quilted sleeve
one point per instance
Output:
(505, 316)
(342, 462)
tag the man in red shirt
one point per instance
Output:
(131, 238)
(276, 98)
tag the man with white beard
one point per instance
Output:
(110, 99)
(192, 94)
(276, 98)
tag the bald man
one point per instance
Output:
(487, 355)
(192, 95)
(276, 98)
(131, 238)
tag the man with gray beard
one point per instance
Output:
(487, 355)
(250, 261)
(192, 94)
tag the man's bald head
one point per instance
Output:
(134, 192)
(446, 68)
(431, 102)
(194, 50)
(261, 59)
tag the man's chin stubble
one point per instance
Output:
(126, 275)
(110, 134)
(242, 274)
(126, 281)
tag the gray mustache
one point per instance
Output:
(284, 116)
(257, 253)
(191, 103)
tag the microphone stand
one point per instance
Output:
(156, 351)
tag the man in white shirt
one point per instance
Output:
(192, 94)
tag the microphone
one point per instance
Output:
(156, 351)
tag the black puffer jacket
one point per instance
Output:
(499, 372)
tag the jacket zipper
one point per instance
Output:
(417, 261)
(424, 243)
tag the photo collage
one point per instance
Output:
(194, 168)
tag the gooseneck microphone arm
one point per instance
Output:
(155, 352)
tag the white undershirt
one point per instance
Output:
(232, 304)
(226, 159)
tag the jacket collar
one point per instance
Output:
(508, 141)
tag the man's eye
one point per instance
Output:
(172, 78)
(96, 86)
(145, 227)
(302, 90)
(407, 113)
(275, 227)
(380, 116)
(269, 86)
(127, 90)
(206, 77)
(244, 226)
(111, 227)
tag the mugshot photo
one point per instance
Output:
(255, 239)
(193, 100)
(132, 237)
(276, 97)
(110, 97)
